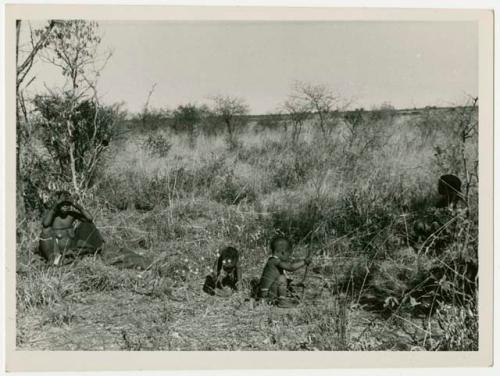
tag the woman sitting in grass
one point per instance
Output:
(59, 234)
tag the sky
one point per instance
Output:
(408, 64)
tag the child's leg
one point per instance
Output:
(50, 246)
(47, 247)
(283, 300)
(282, 286)
(276, 290)
(64, 245)
(229, 282)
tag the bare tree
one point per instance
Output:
(365, 132)
(297, 113)
(39, 39)
(318, 99)
(73, 47)
(101, 134)
(231, 111)
(37, 42)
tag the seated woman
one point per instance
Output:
(59, 236)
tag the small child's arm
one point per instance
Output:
(294, 265)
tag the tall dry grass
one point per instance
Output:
(362, 206)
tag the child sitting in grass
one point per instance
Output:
(274, 285)
(226, 275)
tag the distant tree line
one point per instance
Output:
(227, 115)
(224, 115)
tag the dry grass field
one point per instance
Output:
(389, 271)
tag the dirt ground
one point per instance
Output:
(185, 318)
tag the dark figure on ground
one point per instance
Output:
(226, 274)
(274, 286)
(450, 191)
(60, 237)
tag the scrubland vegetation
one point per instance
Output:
(357, 189)
(389, 270)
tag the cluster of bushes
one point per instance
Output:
(157, 145)
(407, 256)
(227, 115)
(393, 266)
(67, 141)
(140, 189)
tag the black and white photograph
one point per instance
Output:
(247, 185)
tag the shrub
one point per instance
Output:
(188, 118)
(269, 122)
(91, 131)
(401, 279)
(157, 145)
(293, 166)
(443, 270)
(232, 112)
(460, 325)
(150, 120)
(231, 190)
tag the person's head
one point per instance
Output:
(64, 197)
(281, 248)
(229, 257)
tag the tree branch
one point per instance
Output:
(28, 62)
